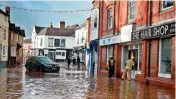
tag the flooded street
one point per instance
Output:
(17, 83)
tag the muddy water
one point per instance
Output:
(17, 83)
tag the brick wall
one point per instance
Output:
(154, 52)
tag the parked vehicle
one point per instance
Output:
(41, 63)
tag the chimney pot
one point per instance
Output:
(7, 10)
(62, 24)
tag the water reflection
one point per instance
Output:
(16, 83)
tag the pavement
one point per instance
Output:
(17, 83)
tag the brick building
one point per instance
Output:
(144, 29)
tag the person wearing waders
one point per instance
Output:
(78, 62)
(68, 62)
(111, 64)
(128, 67)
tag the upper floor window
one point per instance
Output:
(131, 11)
(50, 42)
(110, 18)
(57, 43)
(95, 19)
(167, 4)
(41, 41)
(4, 34)
(62, 42)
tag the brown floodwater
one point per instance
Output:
(17, 83)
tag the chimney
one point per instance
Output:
(8, 12)
(51, 25)
(62, 24)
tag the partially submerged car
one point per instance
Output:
(41, 63)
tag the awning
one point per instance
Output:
(94, 44)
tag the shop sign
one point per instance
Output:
(154, 32)
(107, 41)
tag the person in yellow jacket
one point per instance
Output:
(110, 66)
(128, 67)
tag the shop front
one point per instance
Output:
(158, 54)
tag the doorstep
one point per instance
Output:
(164, 82)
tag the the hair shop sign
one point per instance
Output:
(154, 32)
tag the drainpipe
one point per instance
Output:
(98, 65)
(149, 41)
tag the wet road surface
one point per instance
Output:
(17, 83)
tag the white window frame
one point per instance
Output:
(167, 7)
(52, 45)
(161, 74)
(110, 16)
(61, 42)
(41, 41)
(95, 14)
(129, 13)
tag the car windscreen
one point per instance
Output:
(45, 59)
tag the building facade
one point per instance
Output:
(4, 25)
(94, 38)
(80, 41)
(56, 43)
(143, 29)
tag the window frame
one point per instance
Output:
(63, 54)
(4, 34)
(95, 20)
(61, 43)
(160, 55)
(52, 42)
(4, 50)
(166, 7)
(129, 10)
(58, 43)
(109, 17)
(41, 41)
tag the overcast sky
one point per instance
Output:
(27, 20)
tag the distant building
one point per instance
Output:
(27, 46)
(56, 43)
(4, 25)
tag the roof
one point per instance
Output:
(57, 32)
(12, 26)
(27, 41)
(1, 11)
(38, 29)
(72, 26)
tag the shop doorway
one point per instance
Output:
(134, 52)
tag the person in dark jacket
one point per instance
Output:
(68, 61)
(78, 62)
(74, 61)
(111, 64)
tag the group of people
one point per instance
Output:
(74, 61)
(127, 69)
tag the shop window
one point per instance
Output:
(109, 18)
(63, 53)
(131, 11)
(109, 51)
(166, 4)
(165, 56)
